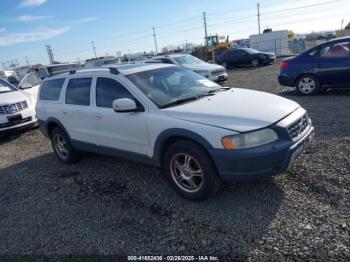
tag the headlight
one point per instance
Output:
(248, 140)
(201, 72)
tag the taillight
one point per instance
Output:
(284, 64)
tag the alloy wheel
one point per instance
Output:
(255, 62)
(307, 85)
(186, 172)
(60, 146)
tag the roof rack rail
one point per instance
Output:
(114, 70)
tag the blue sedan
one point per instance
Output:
(324, 66)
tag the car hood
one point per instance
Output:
(268, 53)
(203, 66)
(13, 97)
(237, 109)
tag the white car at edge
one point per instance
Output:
(199, 132)
(216, 73)
(17, 109)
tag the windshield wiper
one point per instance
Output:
(183, 100)
(219, 89)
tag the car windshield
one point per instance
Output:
(187, 60)
(251, 50)
(6, 87)
(169, 85)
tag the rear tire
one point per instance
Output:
(308, 85)
(63, 147)
(191, 171)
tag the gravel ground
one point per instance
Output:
(109, 206)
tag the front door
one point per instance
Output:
(121, 131)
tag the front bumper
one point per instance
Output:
(27, 120)
(219, 78)
(267, 160)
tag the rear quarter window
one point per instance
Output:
(51, 89)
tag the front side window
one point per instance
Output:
(166, 85)
(78, 91)
(51, 89)
(6, 87)
(108, 90)
(340, 49)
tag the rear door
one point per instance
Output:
(332, 63)
(77, 114)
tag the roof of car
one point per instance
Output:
(125, 69)
(168, 56)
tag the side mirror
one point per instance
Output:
(25, 86)
(125, 105)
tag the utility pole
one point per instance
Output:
(342, 23)
(155, 40)
(205, 28)
(93, 47)
(50, 54)
(259, 17)
(27, 62)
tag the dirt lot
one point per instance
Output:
(110, 206)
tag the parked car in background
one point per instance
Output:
(199, 132)
(324, 66)
(214, 72)
(99, 62)
(17, 109)
(30, 84)
(51, 70)
(244, 57)
(10, 77)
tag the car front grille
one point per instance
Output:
(298, 127)
(13, 108)
(217, 71)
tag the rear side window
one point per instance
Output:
(107, 90)
(51, 89)
(78, 91)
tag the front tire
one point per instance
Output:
(62, 147)
(308, 85)
(191, 171)
(255, 62)
(224, 64)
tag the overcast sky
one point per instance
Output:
(26, 26)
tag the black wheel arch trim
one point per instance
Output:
(160, 143)
(306, 74)
(44, 126)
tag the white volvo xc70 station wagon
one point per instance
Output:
(199, 132)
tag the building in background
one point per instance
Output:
(275, 41)
(344, 32)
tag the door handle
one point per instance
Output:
(99, 117)
(64, 112)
